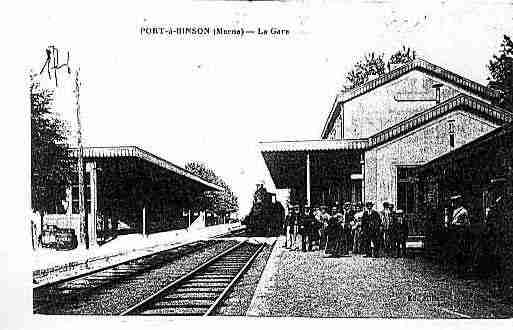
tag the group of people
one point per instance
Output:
(351, 229)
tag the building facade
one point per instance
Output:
(380, 132)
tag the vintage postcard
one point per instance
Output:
(269, 160)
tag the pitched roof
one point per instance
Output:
(460, 101)
(419, 65)
(136, 152)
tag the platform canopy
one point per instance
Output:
(143, 191)
(136, 162)
(317, 171)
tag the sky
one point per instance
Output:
(213, 99)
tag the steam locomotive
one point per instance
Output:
(266, 216)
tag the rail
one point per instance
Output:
(204, 281)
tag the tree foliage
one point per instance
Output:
(374, 64)
(370, 64)
(50, 161)
(217, 201)
(501, 72)
(403, 55)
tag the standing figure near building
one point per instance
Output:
(386, 216)
(344, 227)
(305, 228)
(325, 217)
(292, 227)
(289, 227)
(317, 227)
(461, 241)
(357, 230)
(401, 235)
(347, 215)
(332, 234)
(371, 223)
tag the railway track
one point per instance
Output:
(65, 291)
(200, 292)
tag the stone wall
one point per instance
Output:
(390, 104)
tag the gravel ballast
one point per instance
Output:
(116, 298)
(238, 300)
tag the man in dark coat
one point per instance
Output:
(305, 229)
(324, 218)
(402, 234)
(289, 224)
(347, 215)
(371, 223)
(386, 218)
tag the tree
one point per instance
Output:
(218, 201)
(374, 65)
(401, 56)
(50, 159)
(501, 72)
(370, 64)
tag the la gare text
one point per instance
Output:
(215, 31)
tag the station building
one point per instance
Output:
(378, 134)
(130, 190)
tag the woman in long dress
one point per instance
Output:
(332, 232)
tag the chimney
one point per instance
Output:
(437, 92)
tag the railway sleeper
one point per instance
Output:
(174, 312)
(211, 290)
(203, 285)
(189, 303)
(210, 280)
(212, 276)
(191, 295)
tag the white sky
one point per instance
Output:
(213, 99)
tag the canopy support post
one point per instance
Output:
(308, 179)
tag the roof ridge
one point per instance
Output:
(417, 64)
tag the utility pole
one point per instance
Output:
(80, 166)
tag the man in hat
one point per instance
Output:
(317, 226)
(386, 219)
(333, 232)
(305, 229)
(325, 217)
(401, 234)
(371, 223)
(347, 215)
(291, 222)
(356, 226)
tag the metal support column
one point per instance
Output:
(308, 179)
(362, 162)
(144, 221)
(92, 218)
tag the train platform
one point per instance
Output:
(309, 284)
(50, 265)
